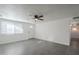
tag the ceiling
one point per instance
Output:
(24, 12)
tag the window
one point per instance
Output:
(18, 28)
(11, 28)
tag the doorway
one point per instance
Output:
(74, 34)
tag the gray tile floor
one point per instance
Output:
(37, 47)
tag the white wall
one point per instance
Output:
(54, 31)
(27, 33)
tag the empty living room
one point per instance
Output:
(39, 29)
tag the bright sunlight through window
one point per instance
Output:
(11, 28)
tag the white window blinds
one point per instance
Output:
(11, 28)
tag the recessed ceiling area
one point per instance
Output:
(24, 12)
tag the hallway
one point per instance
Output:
(74, 47)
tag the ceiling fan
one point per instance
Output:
(38, 17)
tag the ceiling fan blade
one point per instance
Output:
(41, 16)
(76, 17)
(41, 19)
(36, 16)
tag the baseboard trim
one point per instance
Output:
(15, 41)
(53, 42)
